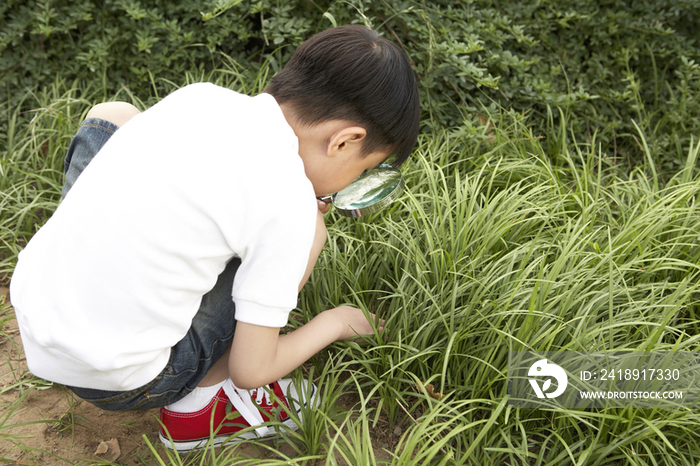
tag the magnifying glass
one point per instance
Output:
(369, 193)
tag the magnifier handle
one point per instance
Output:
(325, 199)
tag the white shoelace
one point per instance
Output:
(242, 400)
(262, 394)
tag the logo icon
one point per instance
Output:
(542, 368)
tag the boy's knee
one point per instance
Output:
(317, 246)
(115, 112)
(321, 234)
(319, 242)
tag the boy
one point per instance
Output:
(166, 241)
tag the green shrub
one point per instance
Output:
(602, 63)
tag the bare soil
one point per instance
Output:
(51, 425)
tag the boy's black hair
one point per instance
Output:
(352, 73)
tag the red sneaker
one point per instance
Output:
(191, 431)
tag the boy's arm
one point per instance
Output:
(259, 355)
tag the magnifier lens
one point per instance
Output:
(370, 192)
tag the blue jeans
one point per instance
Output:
(207, 340)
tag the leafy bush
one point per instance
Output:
(602, 63)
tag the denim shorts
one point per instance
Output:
(207, 340)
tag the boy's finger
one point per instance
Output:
(323, 207)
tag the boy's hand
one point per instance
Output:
(352, 322)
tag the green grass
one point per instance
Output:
(505, 240)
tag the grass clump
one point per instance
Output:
(497, 246)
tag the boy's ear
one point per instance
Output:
(346, 141)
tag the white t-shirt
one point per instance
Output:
(114, 278)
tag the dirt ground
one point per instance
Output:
(58, 425)
(51, 425)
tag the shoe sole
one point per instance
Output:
(232, 439)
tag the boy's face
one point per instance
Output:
(332, 154)
(334, 174)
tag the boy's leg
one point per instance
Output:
(99, 125)
(116, 112)
(319, 242)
